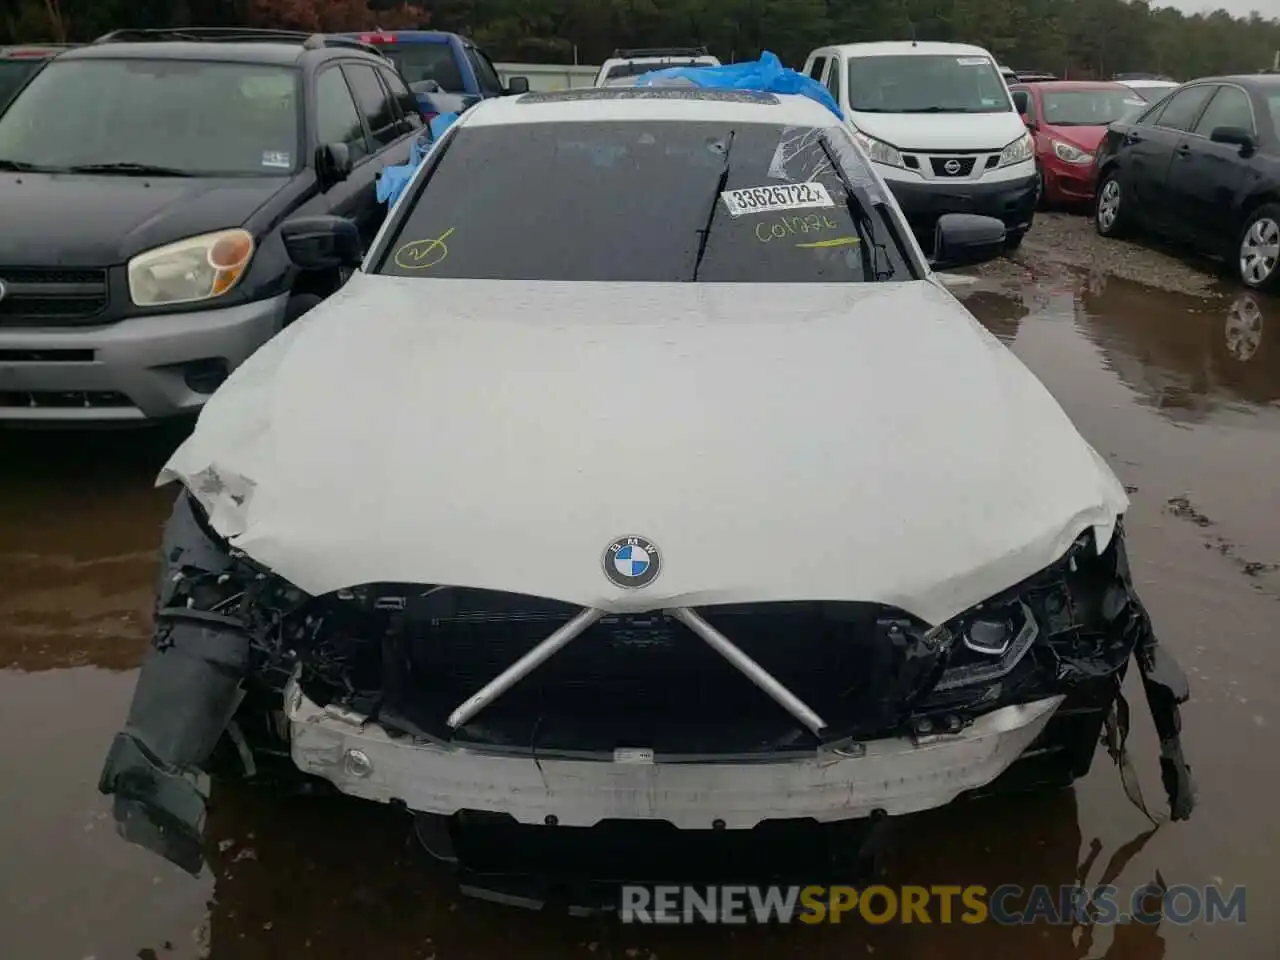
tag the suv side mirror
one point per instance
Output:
(322, 242)
(517, 85)
(963, 239)
(333, 162)
(1237, 136)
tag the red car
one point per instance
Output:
(1067, 118)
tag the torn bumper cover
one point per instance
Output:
(456, 701)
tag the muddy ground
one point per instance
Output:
(1176, 383)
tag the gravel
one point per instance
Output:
(1070, 240)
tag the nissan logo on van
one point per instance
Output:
(952, 167)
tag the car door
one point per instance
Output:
(388, 136)
(1205, 177)
(1149, 148)
(338, 122)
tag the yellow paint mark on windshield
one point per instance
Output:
(835, 242)
(421, 254)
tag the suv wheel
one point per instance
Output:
(1258, 252)
(1111, 215)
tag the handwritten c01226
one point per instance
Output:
(423, 254)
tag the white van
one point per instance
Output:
(938, 122)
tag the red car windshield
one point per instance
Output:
(1088, 108)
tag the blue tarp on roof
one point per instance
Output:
(767, 75)
(393, 180)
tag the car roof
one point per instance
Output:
(1064, 85)
(691, 104)
(905, 48)
(283, 52)
(1264, 80)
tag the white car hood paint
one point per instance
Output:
(942, 131)
(827, 442)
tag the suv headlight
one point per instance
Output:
(198, 268)
(878, 150)
(1070, 153)
(1024, 148)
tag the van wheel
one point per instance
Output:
(1111, 210)
(1258, 250)
(299, 304)
(1042, 201)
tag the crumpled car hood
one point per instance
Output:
(776, 442)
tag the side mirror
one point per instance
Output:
(1028, 122)
(963, 239)
(1237, 136)
(517, 85)
(333, 162)
(322, 242)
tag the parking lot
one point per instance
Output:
(1177, 385)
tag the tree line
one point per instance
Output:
(1071, 38)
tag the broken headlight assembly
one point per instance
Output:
(988, 644)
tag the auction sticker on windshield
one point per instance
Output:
(971, 61)
(789, 196)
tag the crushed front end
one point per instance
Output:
(465, 704)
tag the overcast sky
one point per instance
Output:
(1240, 8)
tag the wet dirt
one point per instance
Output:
(1181, 394)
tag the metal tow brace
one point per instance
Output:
(509, 677)
(757, 674)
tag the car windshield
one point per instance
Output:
(1088, 108)
(623, 70)
(419, 62)
(926, 84)
(631, 200)
(13, 73)
(179, 116)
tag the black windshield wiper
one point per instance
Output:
(127, 169)
(22, 166)
(858, 201)
(705, 233)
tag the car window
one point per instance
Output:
(374, 103)
(1228, 108)
(486, 75)
(337, 120)
(403, 96)
(420, 62)
(1088, 108)
(1183, 107)
(926, 84)
(13, 73)
(198, 117)
(629, 201)
(819, 64)
(833, 79)
(1022, 103)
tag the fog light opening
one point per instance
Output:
(357, 764)
(205, 376)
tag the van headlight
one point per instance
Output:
(1070, 153)
(1021, 150)
(198, 268)
(878, 150)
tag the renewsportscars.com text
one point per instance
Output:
(1009, 904)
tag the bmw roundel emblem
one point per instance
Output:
(632, 562)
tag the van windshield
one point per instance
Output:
(185, 117)
(930, 83)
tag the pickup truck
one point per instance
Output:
(446, 72)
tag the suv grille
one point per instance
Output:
(54, 296)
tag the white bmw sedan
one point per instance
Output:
(644, 471)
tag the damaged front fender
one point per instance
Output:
(187, 693)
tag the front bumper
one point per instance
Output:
(1069, 182)
(1011, 201)
(844, 782)
(130, 371)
